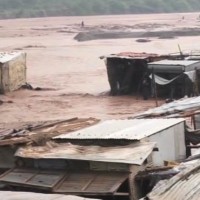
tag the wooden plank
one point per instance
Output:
(74, 182)
(53, 124)
(45, 180)
(17, 177)
(92, 183)
(88, 183)
(101, 183)
(13, 141)
(121, 194)
(32, 178)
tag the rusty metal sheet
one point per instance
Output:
(10, 195)
(173, 109)
(137, 55)
(173, 63)
(133, 55)
(135, 153)
(135, 129)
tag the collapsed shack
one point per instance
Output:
(12, 71)
(185, 185)
(151, 75)
(174, 78)
(36, 133)
(99, 161)
(127, 70)
(89, 171)
(150, 176)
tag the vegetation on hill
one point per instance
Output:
(43, 8)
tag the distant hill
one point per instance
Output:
(44, 8)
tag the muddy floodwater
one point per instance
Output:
(72, 76)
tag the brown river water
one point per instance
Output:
(71, 72)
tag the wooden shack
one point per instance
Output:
(12, 71)
(12, 136)
(126, 71)
(99, 161)
(84, 170)
(167, 133)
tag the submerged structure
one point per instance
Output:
(126, 71)
(12, 71)
(175, 78)
(152, 75)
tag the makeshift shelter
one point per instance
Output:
(15, 136)
(127, 70)
(12, 71)
(174, 78)
(95, 171)
(100, 161)
(185, 185)
(164, 132)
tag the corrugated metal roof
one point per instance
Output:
(7, 56)
(133, 55)
(9, 195)
(183, 186)
(122, 129)
(137, 55)
(174, 62)
(135, 153)
(174, 107)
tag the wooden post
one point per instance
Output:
(194, 122)
(196, 83)
(154, 86)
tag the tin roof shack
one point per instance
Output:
(101, 160)
(174, 78)
(127, 70)
(86, 170)
(169, 135)
(12, 71)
